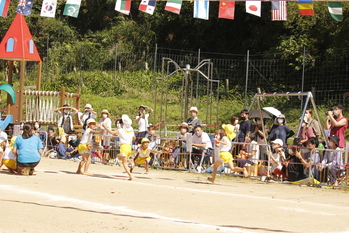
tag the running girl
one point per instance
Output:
(126, 135)
(85, 147)
(224, 155)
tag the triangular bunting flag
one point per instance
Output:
(336, 10)
(174, 6)
(123, 6)
(48, 8)
(201, 8)
(253, 7)
(72, 8)
(226, 9)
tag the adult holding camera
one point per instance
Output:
(337, 123)
(88, 114)
(143, 122)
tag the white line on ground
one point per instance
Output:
(93, 205)
(307, 211)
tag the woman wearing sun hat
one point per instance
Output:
(193, 121)
(107, 122)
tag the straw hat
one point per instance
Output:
(105, 111)
(229, 130)
(184, 125)
(88, 106)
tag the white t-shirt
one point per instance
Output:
(203, 139)
(107, 123)
(278, 163)
(226, 147)
(143, 123)
(145, 154)
(8, 154)
(87, 137)
(251, 147)
(126, 137)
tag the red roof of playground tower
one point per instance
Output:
(18, 43)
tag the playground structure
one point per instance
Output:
(190, 87)
(28, 105)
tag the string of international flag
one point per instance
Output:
(201, 8)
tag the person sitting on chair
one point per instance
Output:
(201, 142)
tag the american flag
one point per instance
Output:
(279, 10)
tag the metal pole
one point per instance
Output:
(155, 56)
(303, 70)
(115, 61)
(187, 67)
(47, 41)
(247, 64)
(197, 80)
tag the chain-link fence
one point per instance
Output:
(325, 75)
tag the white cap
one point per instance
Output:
(194, 109)
(90, 121)
(278, 141)
(2, 139)
(88, 106)
(127, 122)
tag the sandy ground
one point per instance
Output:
(58, 200)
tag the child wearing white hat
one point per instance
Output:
(126, 136)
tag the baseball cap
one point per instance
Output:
(278, 141)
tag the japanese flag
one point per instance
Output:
(253, 7)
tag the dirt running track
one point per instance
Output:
(57, 200)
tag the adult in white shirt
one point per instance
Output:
(201, 142)
(143, 122)
(88, 114)
(107, 122)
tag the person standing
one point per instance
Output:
(280, 130)
(66, 119)
(107, 122)
(27, 149)
(193, 121)
(337, 123)
(143, 122)
(245, 125)
(313, 123)
(88, 114)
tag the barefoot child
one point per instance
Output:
(85, 147)
(126, 135)
(143, 155)
(224, 155)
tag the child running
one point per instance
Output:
(224, 155)
(143, 155)
(85, 147)
(126, 135)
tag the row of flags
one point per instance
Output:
(201, 8)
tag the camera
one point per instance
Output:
(330, 110)
(297, 142)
